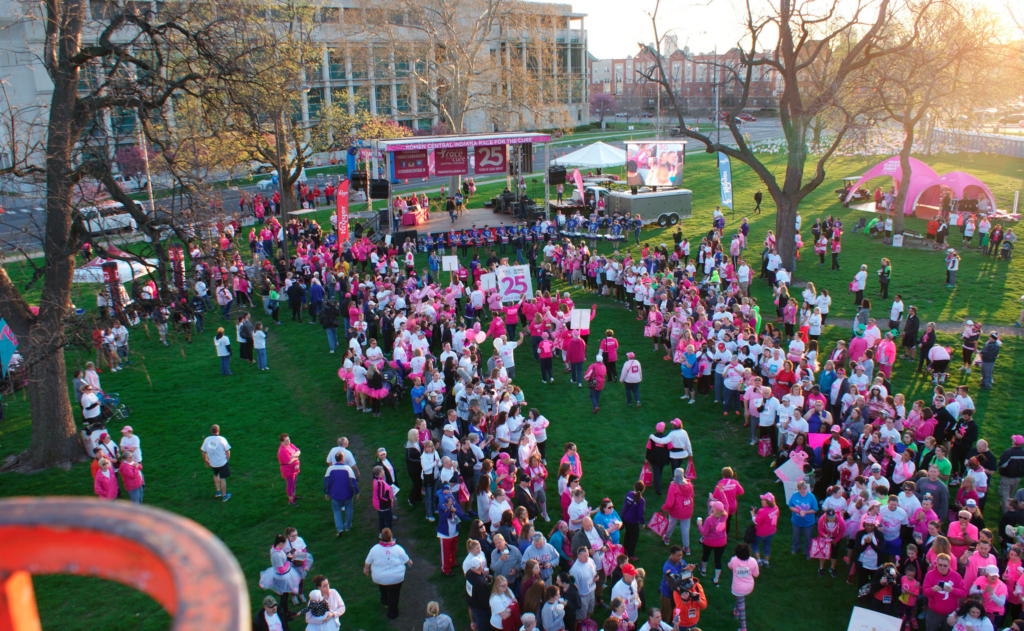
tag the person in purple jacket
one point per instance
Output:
(633, 519)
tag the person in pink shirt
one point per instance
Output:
(105, 484)
(288, 456)
(131, 474)
(511, 319)
(962, 534)
(726, 491)
(713, 537)
(545, 351)
(981, 558)
(575, 355)
(766, 521)
(609, 347)
(744, 571)
(1013, 574)
(597, 373)
(572, 458)
(922, 517)
(992, 592)
(832, 529)
(497, 328)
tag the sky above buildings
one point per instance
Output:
(616, 26)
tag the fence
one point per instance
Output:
(985, 143)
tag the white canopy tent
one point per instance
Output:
(596, 156)
(92, 272)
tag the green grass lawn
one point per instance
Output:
(177, 392)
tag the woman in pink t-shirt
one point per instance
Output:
(744, 571)
(766, 521)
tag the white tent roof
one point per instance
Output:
(596, 156)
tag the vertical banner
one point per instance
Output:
(177, 257)
(112, 279)
(342, 213)
(725, 178)
(492, 159)
(8, 345)
(577, 177)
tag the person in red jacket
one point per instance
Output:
(105, 485)
(596, 372)
(943, 588)
(575, 355)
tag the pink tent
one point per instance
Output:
(929, 192)
(891, 167)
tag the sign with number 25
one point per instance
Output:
(514, 283)
(490, 160)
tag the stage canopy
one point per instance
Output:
(596, 156)
(925, 184)
(891, 167)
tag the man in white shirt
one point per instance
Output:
(963, 400)
(447, 352)
(790, 420)
(896, 313)
(507, 353)
(626, 590)
(449, 443)
(782, 277)
(350, 460)
(216, 454)
(585, 573)
(656, 621)
(743, 277)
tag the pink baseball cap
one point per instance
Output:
(768, 496)
(717, 506)
(660, 427)
(677, 423)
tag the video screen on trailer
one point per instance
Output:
(654, 163)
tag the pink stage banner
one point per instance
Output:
(491, 160)
(411, 164)
(451, 161)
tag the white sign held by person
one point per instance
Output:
(488, 282)
(867, 620)
(579, 320)
(449, 263)
(514, 282)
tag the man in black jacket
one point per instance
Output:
(262, 619)
(296, 292)
(329, 320)
(523, 497)
(989, 353)
(1011, 470)
(478, 593)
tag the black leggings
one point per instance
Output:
(835, 260)
(706, 552)
(630, 538)
(375, 404)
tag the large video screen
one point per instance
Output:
(654, 163)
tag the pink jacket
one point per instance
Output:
(766, 521)
(106, 486)
(576, 350)
(575, 467)
(679, 503)
(727, 490)
(834, 535)
(596, 371)
(132, 476)
(713, 533)
(497, 328)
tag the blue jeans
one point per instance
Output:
(226, 309)
(332, 337)
(481, 618)
(225, 365)
(632, 392)
(804, 533)
(764, 545)
(261, 358)
(595, 397)
(314, 309)
(719, 387)
(577, 372)
(342, 523)
(732, 400)
(136, 496)
(430, 497)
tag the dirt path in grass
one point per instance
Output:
(417, 589)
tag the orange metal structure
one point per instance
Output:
(174, 560)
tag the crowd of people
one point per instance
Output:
(887, 492)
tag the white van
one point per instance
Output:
(109, 216)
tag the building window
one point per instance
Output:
(336, 61)
(423, 123)
(382, 94)
(404, 100)
(315, 102)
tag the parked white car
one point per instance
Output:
(271, 182)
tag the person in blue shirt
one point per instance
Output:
(802, 506)
(608, 518)
(674, 565)
(419, 397)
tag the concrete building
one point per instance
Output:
(359, 71)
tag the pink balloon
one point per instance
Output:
(480, 337)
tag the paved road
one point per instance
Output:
(19, 223)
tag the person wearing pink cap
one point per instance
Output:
(657, 457)
(130, 443)
(678, 441)
(766, 522)
(713, 538)
(867, 549)
(1011, 470)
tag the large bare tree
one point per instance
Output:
(129, 60)
(815, 48)
(952, 72)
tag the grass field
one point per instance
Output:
(177, 392)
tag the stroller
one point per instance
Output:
(1005, 250)
(395, 384)
(111, 407)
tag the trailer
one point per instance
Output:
(664, 208)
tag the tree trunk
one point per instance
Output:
(54, 442)
(288, 199)
(787, 201)
(901, 195)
